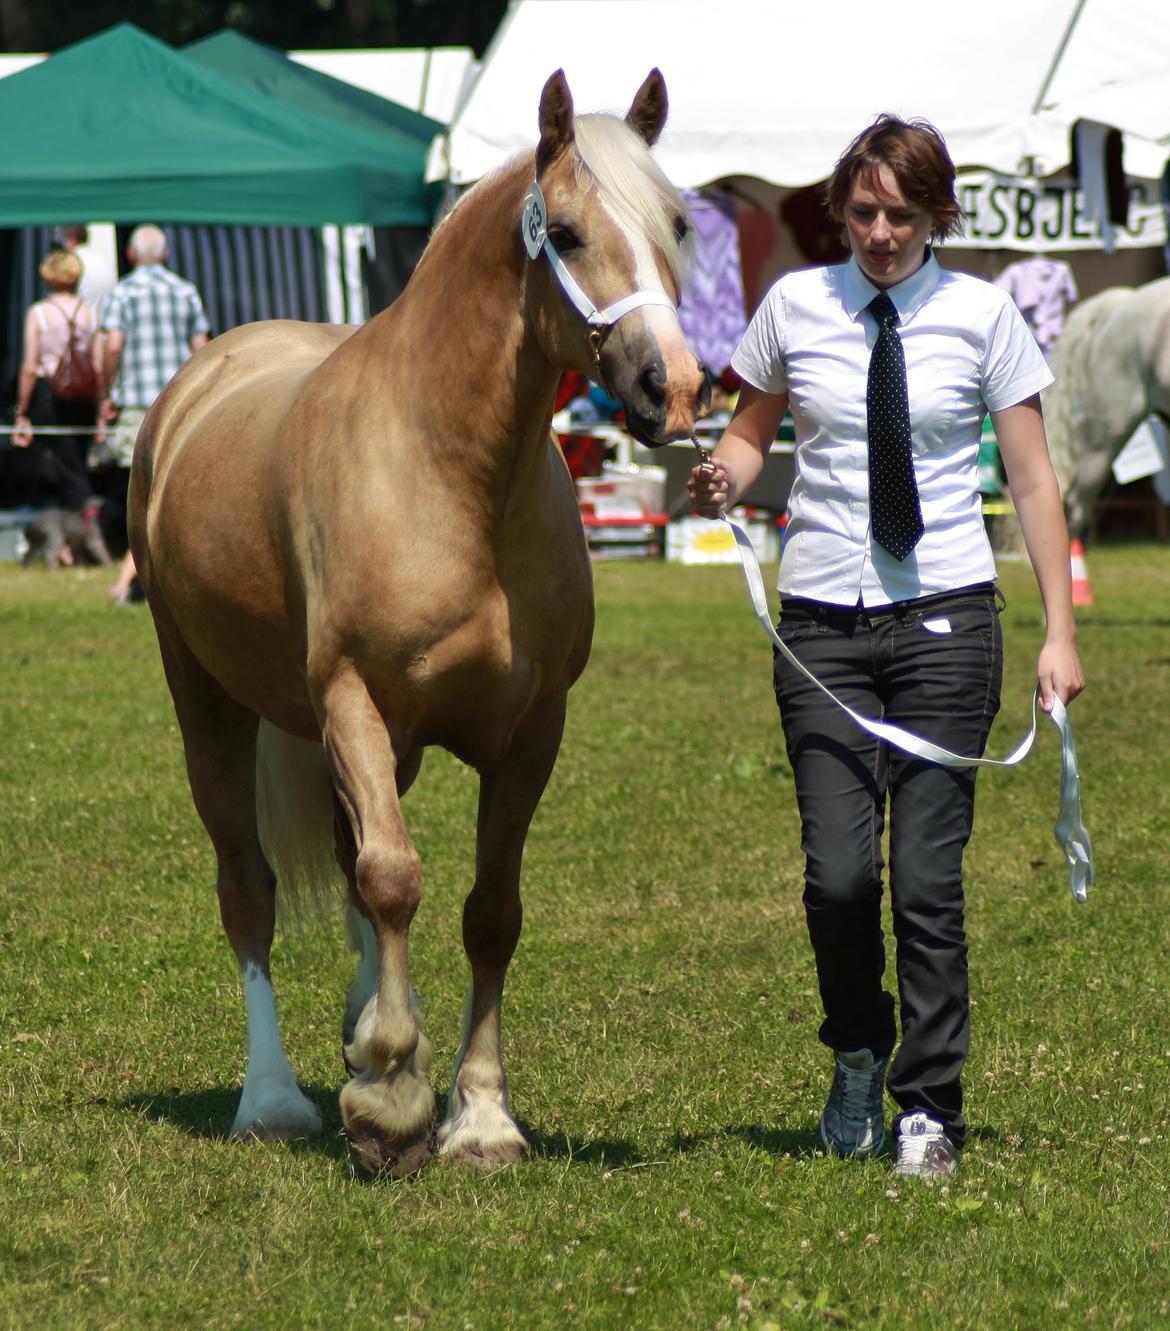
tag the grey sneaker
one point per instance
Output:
(852, 1122)
(924, 1149)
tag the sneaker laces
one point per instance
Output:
(857, 1087)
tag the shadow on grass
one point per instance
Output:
(208, 1114)
(599, 1152)
(1094, 620)
(794, 1142)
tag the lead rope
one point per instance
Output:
(1071, 835)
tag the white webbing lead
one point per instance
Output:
(1071, 835)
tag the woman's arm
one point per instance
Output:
(739, 456)
(1035, 496)
(26, 380)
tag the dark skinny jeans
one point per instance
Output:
(933, 667)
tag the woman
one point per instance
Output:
(889, 364)
(48, 326)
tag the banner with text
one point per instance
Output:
(1015, 214)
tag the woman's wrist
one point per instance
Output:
(1061, 630)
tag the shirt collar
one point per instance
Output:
(908, 295)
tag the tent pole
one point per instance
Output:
(1056, 59)
(426, 78)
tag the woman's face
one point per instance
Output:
(887, 234)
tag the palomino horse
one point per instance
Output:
(358, 543)
(1112, 367)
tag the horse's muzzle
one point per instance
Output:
(661, 406)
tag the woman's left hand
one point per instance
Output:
(22, 433)
(1059, 673)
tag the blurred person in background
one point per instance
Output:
(99, 273)
(152, 322)
(50, 325)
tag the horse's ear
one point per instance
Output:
(556, 120)
(647, 112)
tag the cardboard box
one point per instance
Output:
(691, 540)
(621, 537)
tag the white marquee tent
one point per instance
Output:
(774, 89)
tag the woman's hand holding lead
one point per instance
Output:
(1059, 674)
(709, 486)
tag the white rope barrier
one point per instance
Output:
(56, 429)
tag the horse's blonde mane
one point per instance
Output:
(632, 183)
(1064, 403)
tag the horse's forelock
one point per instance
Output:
(632, 183)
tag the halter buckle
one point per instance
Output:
(596, 339)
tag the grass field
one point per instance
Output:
(660, 1024)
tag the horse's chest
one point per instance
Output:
(468, 691)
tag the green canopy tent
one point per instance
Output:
(122, 127)
(396, 249)
(270, 71)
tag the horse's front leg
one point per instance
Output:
(479, 1128)
(388, 1107)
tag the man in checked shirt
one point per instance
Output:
(152, 321)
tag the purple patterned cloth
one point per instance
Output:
(1041, 288)
(711, 310)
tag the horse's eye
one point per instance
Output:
(681, 228)
(564, 239)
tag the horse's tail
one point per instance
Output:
(295, 812)
(1065, 415)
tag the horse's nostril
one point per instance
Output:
(652, 382)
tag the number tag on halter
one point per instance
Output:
(534, 222)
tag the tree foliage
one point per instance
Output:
(48, 25)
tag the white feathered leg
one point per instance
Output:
(272, 1105)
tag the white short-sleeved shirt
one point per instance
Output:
(968, 351)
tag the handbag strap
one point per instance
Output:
(70, 319)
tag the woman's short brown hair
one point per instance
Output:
(61, 270)
(916, 154)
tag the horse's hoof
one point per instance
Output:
(398, 1159)
(390, 1123)
(480, 1155)
(482, 1134)
(276, 1116)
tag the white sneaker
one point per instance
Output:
(924, 1149)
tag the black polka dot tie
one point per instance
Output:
(895, 514)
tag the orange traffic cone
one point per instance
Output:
(1082, 593)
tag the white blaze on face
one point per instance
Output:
(662, 321)
(662, 324)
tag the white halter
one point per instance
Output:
(534, 228)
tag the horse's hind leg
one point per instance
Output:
(219, 738)
(388, 1107)
(479, 1128)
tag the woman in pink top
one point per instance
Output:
(48, 326)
